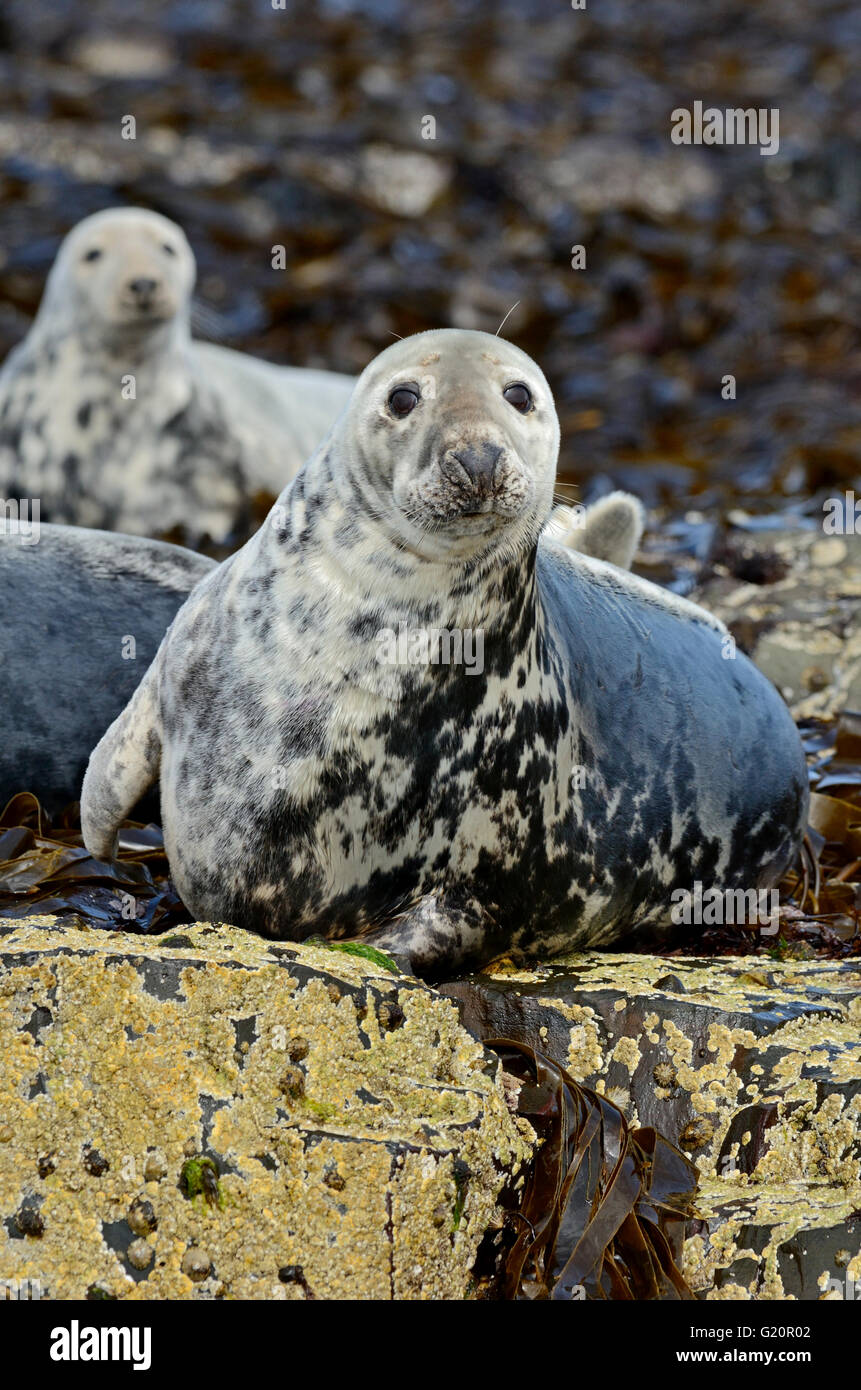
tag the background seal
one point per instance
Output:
(114, 417)
(71, 600)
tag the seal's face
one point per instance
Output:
(457, 442)
(124, 269)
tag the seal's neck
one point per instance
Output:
(380, 613)
(153, 347)
(323, 514)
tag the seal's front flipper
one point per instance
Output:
(122, 766)
(610, 530)
(440, 934)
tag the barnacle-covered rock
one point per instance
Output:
(752, 1066)
(206, 1114)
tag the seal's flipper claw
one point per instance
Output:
(122, 766)
(441, 934)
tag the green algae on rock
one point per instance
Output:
(356, 948)
(199, 1178)
(166, 1059)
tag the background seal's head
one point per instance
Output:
(452, 442)
(124, 270)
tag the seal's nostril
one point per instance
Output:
(479, 462)
(143, 287)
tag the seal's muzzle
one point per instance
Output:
(473, 468)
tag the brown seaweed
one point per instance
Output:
(45, 868)
(604, 1209)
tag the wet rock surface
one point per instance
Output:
(205, 1115)
(751, 1066)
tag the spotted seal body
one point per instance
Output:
(115, 418)
(83, 615)
(314, 777)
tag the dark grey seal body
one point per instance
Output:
(319, 775)
(71, 600)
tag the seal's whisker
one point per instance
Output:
(507, 316)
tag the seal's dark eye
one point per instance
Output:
(93, 254)
(171, 250)
(402, 400)
(519, 396)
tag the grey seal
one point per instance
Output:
(114, 417)
(83, 615)
(316, 775)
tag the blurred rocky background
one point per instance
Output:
(303, 126)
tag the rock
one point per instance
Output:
(751, 1066)
(600, 173)
(156, 1151)
(119, 56)
(403, 182)
(98, 154)
(776, 1242)
(800, 618)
